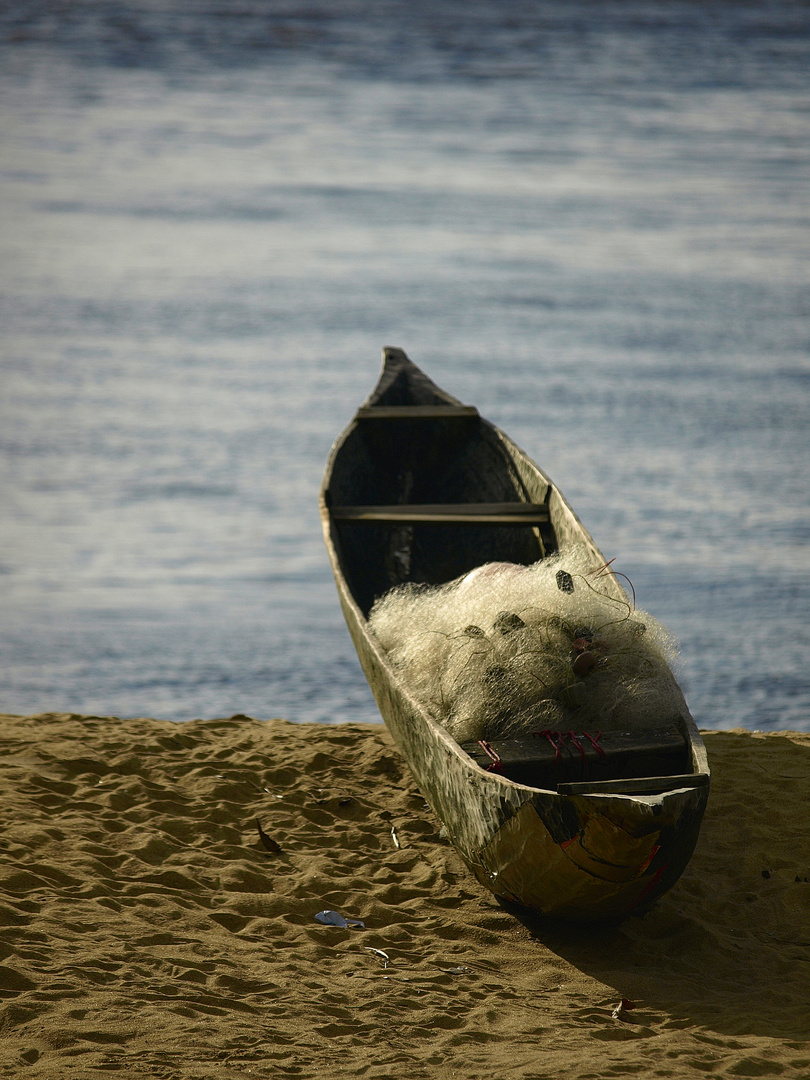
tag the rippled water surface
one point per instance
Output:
(589, 220)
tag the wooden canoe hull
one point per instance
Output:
(584, 855)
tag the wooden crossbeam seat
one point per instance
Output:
(509, 513)
(623, 763)
(497, 514)
(416, 412)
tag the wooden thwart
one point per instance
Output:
(620, 763)
(640, 785)
(513, 513)
(415, 412)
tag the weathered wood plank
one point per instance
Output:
(415, 412)
(447, 514)
(641, 785)
(552, 760)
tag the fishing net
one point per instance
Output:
(510, 649)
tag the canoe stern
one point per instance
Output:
(609, 858)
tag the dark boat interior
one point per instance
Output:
(423, 490)
(414, 447)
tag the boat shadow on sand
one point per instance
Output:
(729, 946)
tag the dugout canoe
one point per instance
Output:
(421, 488)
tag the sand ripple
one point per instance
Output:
(146, 932)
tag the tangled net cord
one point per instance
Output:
(537, 662)
(555, 653)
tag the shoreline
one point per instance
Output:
(146, 931)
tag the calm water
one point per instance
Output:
(589, 220)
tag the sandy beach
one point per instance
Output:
(148, 932)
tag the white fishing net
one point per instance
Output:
(511, 649)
